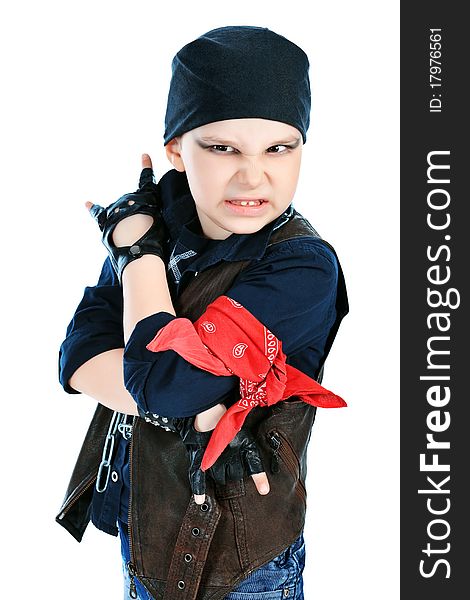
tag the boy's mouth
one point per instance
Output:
(246, 207)
(246, 201)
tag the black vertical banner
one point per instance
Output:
(435, 269)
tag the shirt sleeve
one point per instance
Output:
(294, 296)
(291, 290)
(96, 325)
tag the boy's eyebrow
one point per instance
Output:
(296, 141)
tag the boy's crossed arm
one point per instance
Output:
(101, 377)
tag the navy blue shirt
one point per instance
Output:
(290, 287)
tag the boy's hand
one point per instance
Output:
(132, 226)
(240, 458)
(207, 420)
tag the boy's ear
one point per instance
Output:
(173, 152)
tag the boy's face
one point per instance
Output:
(243, 159)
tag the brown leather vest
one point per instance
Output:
(227, 537)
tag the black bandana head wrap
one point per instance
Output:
(238, 72)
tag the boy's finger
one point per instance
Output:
(146, 162)
(197, 481)
(147, 177)
(261, 482)
(98, 213)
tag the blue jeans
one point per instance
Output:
(279, 579)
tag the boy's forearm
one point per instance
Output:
(102, 378)
(145, 291)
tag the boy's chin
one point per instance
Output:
(248, 226)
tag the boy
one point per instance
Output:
(235, 124)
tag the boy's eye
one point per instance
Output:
(218, 148)
(279, 146)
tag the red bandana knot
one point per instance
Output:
(252, 394)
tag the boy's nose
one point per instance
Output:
(252, 170)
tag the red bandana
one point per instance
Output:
(228, 340)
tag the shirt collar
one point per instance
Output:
(179, 209)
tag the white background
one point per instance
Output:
(84, 94)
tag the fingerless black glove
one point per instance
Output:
(241, 457)
(145, 200)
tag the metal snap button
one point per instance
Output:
(134, 250)
(188, 557)
(114, 476)
(181, 585)
(195, 531)
(204, 507)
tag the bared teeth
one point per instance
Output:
(246, 202)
